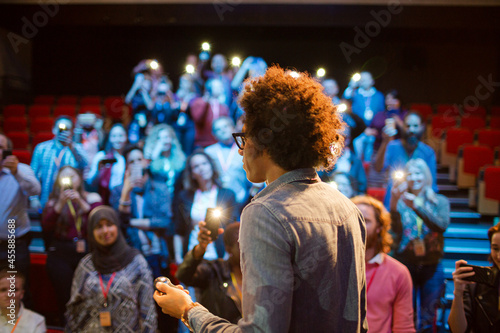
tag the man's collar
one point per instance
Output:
(289, 177)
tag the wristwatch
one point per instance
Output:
(184, 317)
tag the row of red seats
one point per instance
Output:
(113, 107)
(67, 100)
(440, 123)
(426, 110)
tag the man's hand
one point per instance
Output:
(11, 162)
(174, 301)
(65, 137)
(409, 199)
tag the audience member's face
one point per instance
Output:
(163, 88)
(415, 178)
(391, 102)
(135, 157)
(185, 84)
(3, 146)
(105, 233)
(201, 169)
(331, 88)
(366, 80)
(75, 178)
(413, 131)
(344, 185)
(217, 88)
(495, 248)
(223, 130)
(165, 139)
(117, 137)
(218, 63)
(62, 122)
(4, 292)
(372, 227)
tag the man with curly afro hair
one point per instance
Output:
(301, 241)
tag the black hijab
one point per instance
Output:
(112, 258)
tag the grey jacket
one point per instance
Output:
(303, 261)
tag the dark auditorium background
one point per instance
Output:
(432, 51)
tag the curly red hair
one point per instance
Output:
(288, 115)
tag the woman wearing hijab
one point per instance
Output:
(112, 286)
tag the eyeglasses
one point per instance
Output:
(239, 138)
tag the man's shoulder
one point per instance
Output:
(425, 148)
(45, 145)
(396, 267)
(32, 316)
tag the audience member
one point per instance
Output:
(89, 133)
(394, 154)
(17, 182)
(220, 281)
(108, 166)
(345, 183)
(64, 222)
(392, 117)
(202, 190)
(50, 156)
(145, 207)
(112, 287)
(219, 66)
(184, 125)
(389, 290)
(166, 155)
(476, 305)
(164, 103)
(302, 242)
(14, 317)
(206, 109)
(419, 219)
(229, 165)
(366, 103)
(331, 89)
(139, 94)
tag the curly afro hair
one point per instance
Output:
(288, 116)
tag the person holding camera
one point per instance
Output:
(219, 281)
(476, 302)
(108, 166)
(50, 156)
(64, 225)
(419, 219)
(18, 182)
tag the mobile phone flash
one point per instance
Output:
(62, 127)
(66, 182)
(205, 46)
(217, 212)
(356, 77)
(189, 69)
(342, 107)
(236, 61)
(153, 64)
(320, 72)
(398, 175)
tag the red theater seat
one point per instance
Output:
(494, 122)
(448, 110)
(12, 124)
(23, 155)
(14, 110)
(478, 111)
(44, 99)
(95, 109)
(377, 192)
(473, 123)
(495, 111)
(489, 191)
(489, 137)
(115, 107)
(471, 159)
(42, 124)
(455, 137)
(41, 137)
(36, 111)
(20, 140)
(65, 110)
(424, 109)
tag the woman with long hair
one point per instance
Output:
(64, 225)
(420, 216)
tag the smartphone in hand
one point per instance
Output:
(482, 275)
(213, 221)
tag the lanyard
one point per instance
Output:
(59, 157)
(17, 322)
(371, 279)
(420, 222)
(78, 219)
(235, 284)
(225, 164)
(105, 292)
(215, 106)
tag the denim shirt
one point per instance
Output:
(302, 249)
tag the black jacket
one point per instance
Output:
(213, 278)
